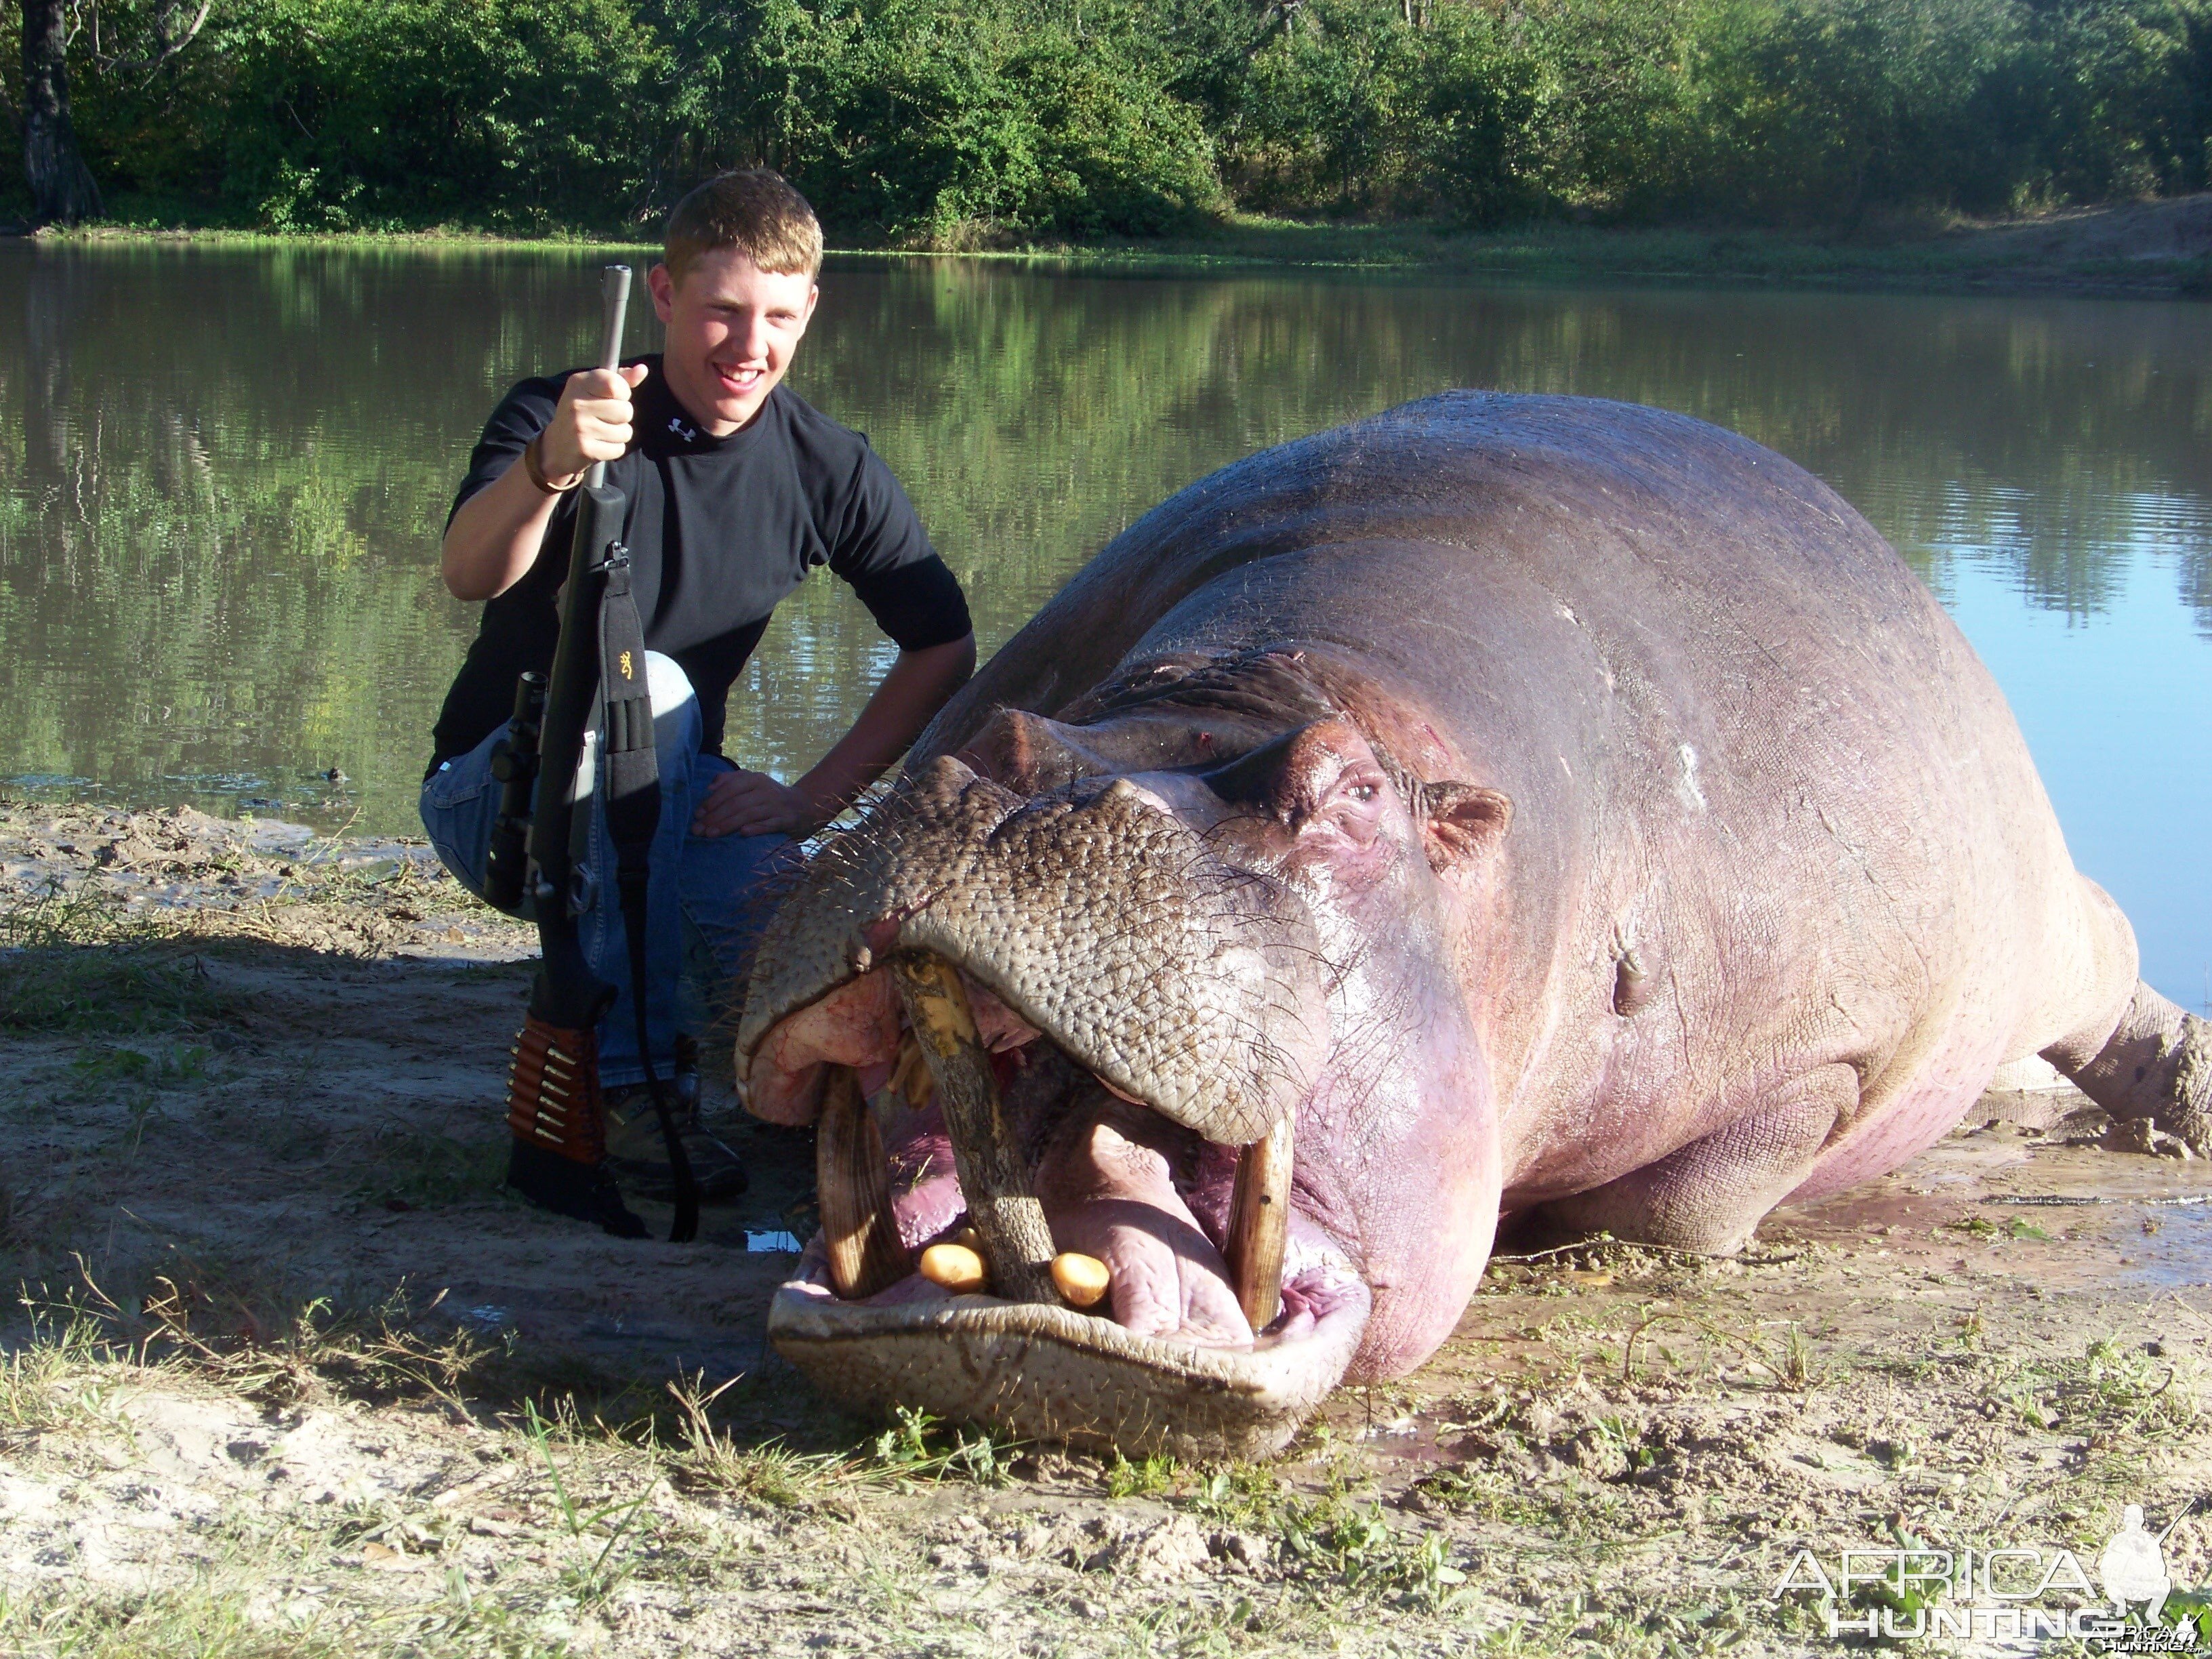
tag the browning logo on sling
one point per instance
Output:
(624, 665)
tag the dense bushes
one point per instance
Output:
(343, 111)
(949, 125)
(959, 122)
(1824, 109)
(1348, 108)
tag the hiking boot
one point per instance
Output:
(638, 1156)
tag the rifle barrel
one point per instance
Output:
(614, 287)
(573, 679)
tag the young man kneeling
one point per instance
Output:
(736, 490)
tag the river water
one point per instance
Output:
(224, 472)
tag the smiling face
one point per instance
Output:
(732, 328)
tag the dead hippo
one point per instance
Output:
(1505, 806)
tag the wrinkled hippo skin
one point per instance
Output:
(1562, 810)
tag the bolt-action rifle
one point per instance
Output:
(588, 722)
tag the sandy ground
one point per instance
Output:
(292, 1374)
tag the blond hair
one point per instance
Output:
(753, 211)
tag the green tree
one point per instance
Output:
(967, 122)
(62, 187)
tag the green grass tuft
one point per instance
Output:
(74, 960)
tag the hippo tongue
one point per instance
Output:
(1107, 1189)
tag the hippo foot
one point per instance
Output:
(2139, 1134)
(2154, 1066)
(2186, 1112)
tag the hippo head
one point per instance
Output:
(1213, 908)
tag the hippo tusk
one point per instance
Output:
(1258, 1225)
(854, 1190)
(1017, 1240)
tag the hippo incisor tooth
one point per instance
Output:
(955, 1266)
(910, 1077)
(1258, 1225)
(987, 1154)
(1082, 1280)
(852, 1188)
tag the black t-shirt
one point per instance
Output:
(719, 530)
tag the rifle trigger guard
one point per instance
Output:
(583, 890)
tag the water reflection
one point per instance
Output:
(225, 471)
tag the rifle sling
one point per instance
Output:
(632, 771)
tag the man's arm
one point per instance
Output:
(493, 540)
(918, 685)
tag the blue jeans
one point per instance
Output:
(705, 905)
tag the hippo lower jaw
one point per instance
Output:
(1050, 1373)
(1167, 1363)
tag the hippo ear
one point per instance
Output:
(1461, 822)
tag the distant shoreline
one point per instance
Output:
(2145, 250)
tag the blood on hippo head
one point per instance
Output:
(1504, 807)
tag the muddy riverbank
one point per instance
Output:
(291, 1368)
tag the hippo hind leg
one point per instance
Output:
(2155, 1063)
(1709, 1196)
(2127, 1048)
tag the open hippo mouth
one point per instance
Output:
(1058, 1031)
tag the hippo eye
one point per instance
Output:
(1363, 792)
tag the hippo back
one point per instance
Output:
(1736, 728)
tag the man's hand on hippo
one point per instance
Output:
(591, 422)
(911, 691)
(754, 804)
